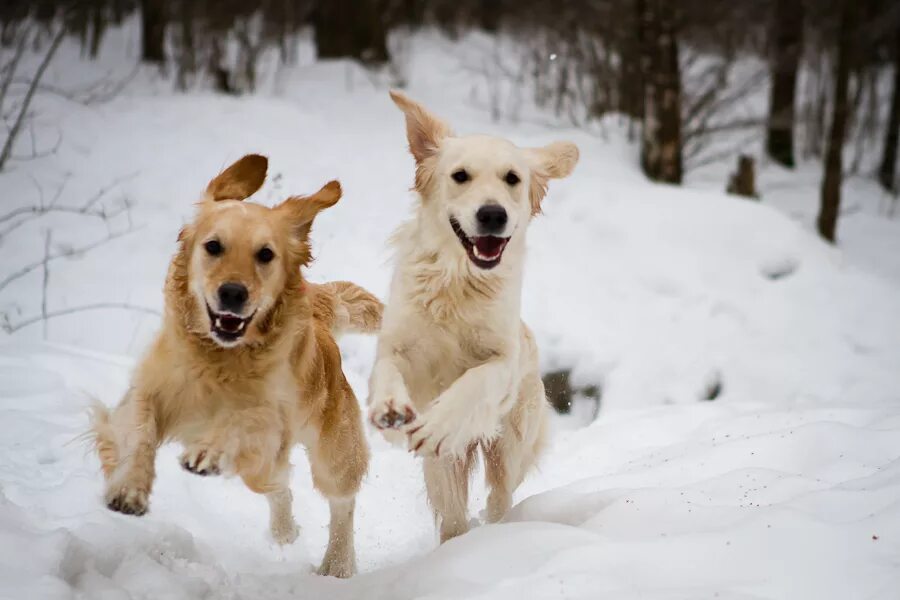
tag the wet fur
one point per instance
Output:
(453, 353)
(240, 410)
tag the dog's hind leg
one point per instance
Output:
(339, 459)
(274, 484)
(447, 484)
(509, 457)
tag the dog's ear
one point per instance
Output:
(240, 180)
(553, 161)
(424, 131)
(300, 211)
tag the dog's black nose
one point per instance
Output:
(491, 218)
(232, 296)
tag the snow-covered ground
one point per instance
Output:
(787, 485)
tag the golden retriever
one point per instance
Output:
(246, 364)
(455, 367)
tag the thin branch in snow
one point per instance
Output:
(87, 209)
(6, 152)
(10, 327)
(64, 253)
(9, 69)
(46, 282)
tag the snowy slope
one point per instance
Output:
(786, 486)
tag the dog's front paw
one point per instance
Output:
(391, 414)
(434, 437)
(203, 459)
(128, 500)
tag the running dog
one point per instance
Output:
(246, 364)
(456, 369)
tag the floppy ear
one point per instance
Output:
(553, 161)
(424, 131)
(300, 211)
(240, 180)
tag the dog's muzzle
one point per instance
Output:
(485, 251)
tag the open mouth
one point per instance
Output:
(483, 250)
(228, 327)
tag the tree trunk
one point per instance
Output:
(489, 13)
(630, 46)
(186, 60)
(153, 31)
(831, 183)
(661, 140)
(887, 171)
(786, 48)
(350, 29)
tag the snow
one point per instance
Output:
(787, 485)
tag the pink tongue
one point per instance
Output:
(230, 323)
(489, 245)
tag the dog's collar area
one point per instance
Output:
(485, 251)
(228, 327)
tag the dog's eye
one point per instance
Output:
(460, 176)
(265, 255)
(213, 247)
(511, 178)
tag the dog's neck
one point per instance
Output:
(444, 282)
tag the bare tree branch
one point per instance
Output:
(64, 253)
(97, 92)
(87, 209)
(6, 152)
(46, 282)
(10, 68)
(10, 327)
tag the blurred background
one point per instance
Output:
(116, 112)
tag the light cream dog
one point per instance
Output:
(456, 368)
(246, 364)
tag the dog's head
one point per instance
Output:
(240, 256)
(481, 189)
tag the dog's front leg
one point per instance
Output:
(469, 410)
(390, 406)
(134, 428)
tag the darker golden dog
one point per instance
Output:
(246, 364)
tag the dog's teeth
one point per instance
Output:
(219, 322)
(241, 325)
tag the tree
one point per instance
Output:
(786, 49)
(661, 139)
(153, 31)
(350, 29)
(886, 172)
(834, 164)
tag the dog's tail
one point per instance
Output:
(103, 438)
(346, 307)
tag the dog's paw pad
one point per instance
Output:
(392, 418)
(128, 501)
(199, 461)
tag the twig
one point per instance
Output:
(12, 328)
(17, 126)
(102, 191)
(46, 281)
(87, 209)
(34, 153)
(97, 92)
(11, 66)
(25, 270)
